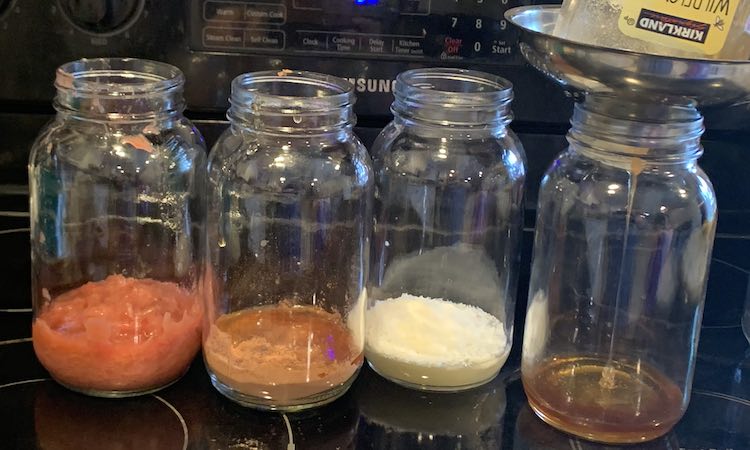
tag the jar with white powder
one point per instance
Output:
(450, 178)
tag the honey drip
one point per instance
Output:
(636, 167)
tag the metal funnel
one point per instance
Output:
(640, 77)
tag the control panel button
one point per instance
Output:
(501, 47)
(101, 16)
(377, 45)
(408, 46)
(223, 37)
(264, 39)
(452, 48)
(223, 11)
(342, 42)
(265, 13)
(310, 40)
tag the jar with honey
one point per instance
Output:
(624, 232)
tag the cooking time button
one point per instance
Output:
(340, 42)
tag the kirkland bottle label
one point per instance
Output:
(698, 25)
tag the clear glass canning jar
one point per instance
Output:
(290, 207)
(117, 183)
(624, 232)
(713, 29)
(450, 178)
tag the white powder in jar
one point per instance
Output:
(434, 343)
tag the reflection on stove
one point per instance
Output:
(716, 421)
(400, 418)
(217, 423)
(533, 434)
(41, 414)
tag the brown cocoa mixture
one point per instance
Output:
(282, 352)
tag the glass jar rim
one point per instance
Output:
(452, 86)
(623, 120)
(284, 88)
(118, 77)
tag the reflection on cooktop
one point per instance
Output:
(715, 421)
(215, 422)
(533, 434)
(47, 416)
(396, 417)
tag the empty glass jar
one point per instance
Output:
(624, 233)
(290, 199)
(117, 183)
(450, 177)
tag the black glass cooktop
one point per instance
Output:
(36, 413)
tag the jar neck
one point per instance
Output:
(293, 105)
(607, 128)
(452, 98)
(118, 89)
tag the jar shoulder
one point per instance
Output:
(649, 189)
(246, 157)
(401, 150)
(174, 145)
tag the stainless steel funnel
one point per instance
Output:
(590, 69)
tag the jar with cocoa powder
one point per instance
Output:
(290, 190)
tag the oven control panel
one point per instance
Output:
(368, 42)
(400, 30)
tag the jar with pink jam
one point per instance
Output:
(116, 185)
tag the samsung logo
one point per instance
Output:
(374, 85)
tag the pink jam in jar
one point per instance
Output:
(119, 336)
